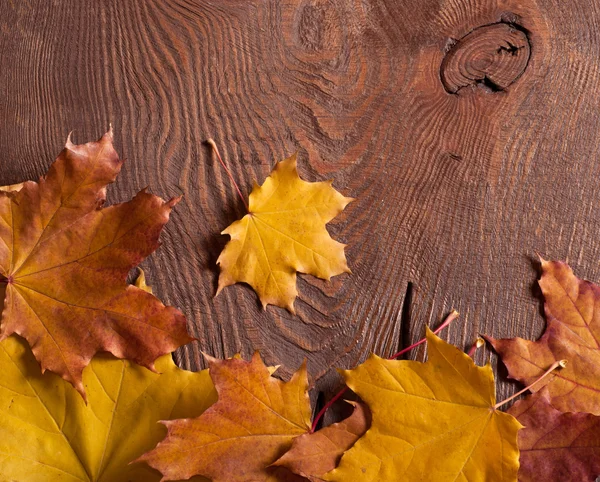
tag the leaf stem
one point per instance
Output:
(555, 365)
(237, 188)
(322, 412)
(478, 344)
(449, 319)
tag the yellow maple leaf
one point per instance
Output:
(49, 434)
(432, 421)
(284, 233)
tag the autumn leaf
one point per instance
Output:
(64, 262)
(314, 454)
(140, 282)
(252, 424)
(433, 421)
(284, 233)
(554, 445)
(48, 433)
(572, 308)
(12, 187)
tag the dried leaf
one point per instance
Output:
(49, 434)
(572, 308)
(284, 233)
(140, 282)
(253, 424)
(65, 262)
(554, 445)
(12, 187)
(431, 421)
(314, 454)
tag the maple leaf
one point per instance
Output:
(314, 454)
(556, 445)
(284, 233)
(48, 433)
(12, 187)
(572, 308)
(252, 424)
(140, 282)
(431, 421)
(64, 261)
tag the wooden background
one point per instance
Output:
(468, 148)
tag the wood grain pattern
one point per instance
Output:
(455, 191)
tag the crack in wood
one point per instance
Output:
(405, 320)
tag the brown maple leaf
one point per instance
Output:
(64, 261)
(252, 424)
(572, 308)
(314, 454)
(555, 445)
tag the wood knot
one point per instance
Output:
(312, 26)
(492, 56)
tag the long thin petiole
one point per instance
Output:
(449, 319)
(237, 188)
(322, 412)
(555, 365)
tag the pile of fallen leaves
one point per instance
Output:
(89, 376)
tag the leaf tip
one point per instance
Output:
(256, 358)
(209, 358)
(69, 144)
(81, 389)
(174, 201)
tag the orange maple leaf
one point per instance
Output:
(314, 454)
(572, 308)
(64, 261)
(252, 424)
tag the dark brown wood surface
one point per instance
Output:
(467, 130)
